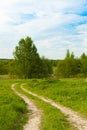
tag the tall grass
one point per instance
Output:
(12, 108)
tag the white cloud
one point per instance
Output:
(56, 25)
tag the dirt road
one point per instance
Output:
(35, 117)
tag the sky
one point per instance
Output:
(53, 25)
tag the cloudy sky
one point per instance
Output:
(54, 26)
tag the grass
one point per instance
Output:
(69, 92)
(12, 108)
(52, 118)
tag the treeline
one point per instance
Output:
(71, 66)
(11, 68)
(3, 66)
(28, 64)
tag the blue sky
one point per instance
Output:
(54, 26)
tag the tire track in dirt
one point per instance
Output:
(73, 117)
(35, 117)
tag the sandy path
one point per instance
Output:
(35, 118)
(73, 117)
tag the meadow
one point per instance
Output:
(68, 92)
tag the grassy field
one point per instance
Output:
(52, 118)
(69, 92)
(12, 108)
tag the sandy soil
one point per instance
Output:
(73, 117)
(35, 117)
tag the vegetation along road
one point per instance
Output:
(34, 122)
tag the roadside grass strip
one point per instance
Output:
(73, 117)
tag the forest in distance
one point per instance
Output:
(28, 64)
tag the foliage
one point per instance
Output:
(46, 67)
(68, 68)
(28, 62)
(67, 54)
(4, 67)
(71, 66)
(27, 58)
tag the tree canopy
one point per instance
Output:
(28, 61)
(69, 67)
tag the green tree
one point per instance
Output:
(27, 58)
(83, 56)
(69, 67)
(46, 67)
(72, 55)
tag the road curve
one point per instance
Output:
(35, 118)
(73, 117)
